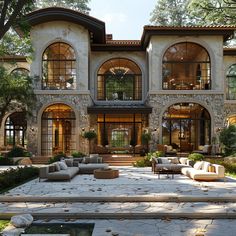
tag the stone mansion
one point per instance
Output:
(178, 83)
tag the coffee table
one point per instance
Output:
(105, 173)
(165, 171)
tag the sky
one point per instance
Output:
(124, 19)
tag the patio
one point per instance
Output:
(130, 203)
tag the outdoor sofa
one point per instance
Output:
(173, 164)
(203, 170)
(66, 169)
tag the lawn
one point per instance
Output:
(3, 224)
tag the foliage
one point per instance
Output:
(228, 139)
(217, 12)
(10, 178)
(15, 91)
(5, 161)
(90, 135)
(158, 154)
(57, 157)
(171, 13)
(17, 152)
(79, 5)
(195, 157)
(78, 154)
(144, 162)
(146, 137)
(3, 224)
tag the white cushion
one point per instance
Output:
(173, 160)
(198, 165)
(63, 165)
(205, 166)
(183, 160)
(205, 148)
(165, 161)
(168, 148)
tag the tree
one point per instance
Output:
(15, 91)
(217, 12)
(13, 11)
(171, 13)
(90, 135)
(228, 139)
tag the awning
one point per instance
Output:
(134, 109)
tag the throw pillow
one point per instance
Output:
(173, 160)
(86, 160)
(57, 166)
(205, 166)
(69, 162)
(63, 165)
(165, 161)
(51, 168)
(211, 168)
(198, 165)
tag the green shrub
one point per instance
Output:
(158, 154)
(228, 139)
(90, 135)
(57, 157)
(5, 161)
(17, 152)
(145, 162)
(195, 157)
(78, 154)
(3, 224)
(11, 178)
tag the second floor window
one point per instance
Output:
(186, 66)
(119, 79)
(59, 67)
(231, 79)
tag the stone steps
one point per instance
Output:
(96, 199)
(128, 210)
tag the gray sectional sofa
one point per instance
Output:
(68, 168)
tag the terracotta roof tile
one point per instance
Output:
(124, 42)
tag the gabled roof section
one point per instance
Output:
(94, 26)
(148, 31)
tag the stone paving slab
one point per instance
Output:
(158, 227)
(121, 210)
(132, 181)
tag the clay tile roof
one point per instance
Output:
(211, 27)
(124, 42)
(230, 50)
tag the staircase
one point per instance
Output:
(42, 160)
(120, 159)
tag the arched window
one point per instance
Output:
(119, 79)
(58, 130)
(186, 126)
(186, 66)
(231, 79)
(15, 129)
(59, 67)
(20, 72)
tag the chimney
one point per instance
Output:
(108, 37)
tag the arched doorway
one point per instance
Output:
(15, 129)
(186, 126)
(58, 130)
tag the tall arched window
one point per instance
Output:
(231, 79)
(59, 67)
(58, 130)
(15, 129)
(186, 66)
(119, 79)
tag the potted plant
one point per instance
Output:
(146, 137)
(89, 135)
